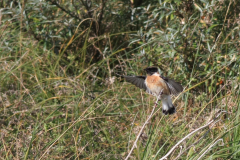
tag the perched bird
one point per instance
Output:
(156, 84)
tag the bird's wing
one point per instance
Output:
(138, 81)
(174, 87)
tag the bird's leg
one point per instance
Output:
(160, 95)
(161, 92)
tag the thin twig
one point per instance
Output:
(146, 122)
(205, 134)
(174, 147)
(187, 136)
(64, 10)
(210, 148)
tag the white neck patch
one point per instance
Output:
(156, 74)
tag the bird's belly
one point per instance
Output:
(156, 90)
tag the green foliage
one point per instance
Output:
(191, 36)
(61, 96)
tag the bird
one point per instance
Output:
(156, 84)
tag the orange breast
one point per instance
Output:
(156, 84)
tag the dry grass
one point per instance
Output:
(66, 117)
(54, 108)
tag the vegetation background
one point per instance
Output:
(61, 96)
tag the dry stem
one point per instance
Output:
(187, 136)
(146, 122)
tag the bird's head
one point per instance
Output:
(151, 70)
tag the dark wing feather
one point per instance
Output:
(174, 87)
(138, 81)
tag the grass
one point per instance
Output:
(48, 114)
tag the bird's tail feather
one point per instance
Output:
(167, 106)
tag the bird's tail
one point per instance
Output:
(167, 106)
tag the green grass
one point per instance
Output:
(56, 107)
(50, 115)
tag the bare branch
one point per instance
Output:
(146, 122)
(64, 10)
(187, 136)
(210, 147)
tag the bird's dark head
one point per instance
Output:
(151, 70)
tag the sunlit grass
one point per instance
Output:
(49, 113)
(56, 116)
